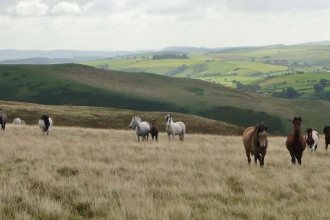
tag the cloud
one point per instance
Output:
(104, 6)
(66, 8)
(276, 6)
(34, 8)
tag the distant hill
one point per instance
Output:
(325, 42)
(79, 85)
(192, 49)
(54, 56)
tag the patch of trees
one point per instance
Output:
(199, 68)
(103, 66)
(176, 71)
(169, 56)
(212, 74)
(319, 89)
(288, 93)
(251, 88)
(256, 74)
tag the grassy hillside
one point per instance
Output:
(72, 84)
(78, 173)
(101, 118)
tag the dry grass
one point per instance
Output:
(81, 173)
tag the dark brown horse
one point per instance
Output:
(256, 142)
(296, 142)
(154, 130)
(326, 132)
(3, 119)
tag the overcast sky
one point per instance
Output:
(153, 24)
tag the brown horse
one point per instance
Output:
(256, 142)
(154, 130)
(326, 132)
(296, 142)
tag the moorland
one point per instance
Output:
(81, 85)
(82, 173)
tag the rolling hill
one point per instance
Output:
(245, 68)
(81, 85)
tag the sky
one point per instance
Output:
(127, 25)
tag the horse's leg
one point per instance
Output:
(156, 136)
(298, 156)
(262, 159)
(248, 156)
(257, 157)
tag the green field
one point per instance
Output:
(80, 85)
(226, 67)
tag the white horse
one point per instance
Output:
(177, 128)
(312, 140)
(17, 121)
(142, 128)
(45, 123)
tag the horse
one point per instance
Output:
(154, 130)
(142, 128)
(177, 128)
(326, 132)
(255, 141)
(17, 121)
(3, 119)
(312, 140)
(295, 142)
(45, 123)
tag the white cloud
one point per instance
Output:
(150, 24)
(32, 8)
(104, 6)
(66, 8)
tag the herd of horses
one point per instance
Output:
(143, 128)
(256, 142)
(45, 122)
(255, 139)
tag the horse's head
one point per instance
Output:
(168, 121)
(309, 136)
(296, 124)
(134, 122)
(261, 133)
(326, 131)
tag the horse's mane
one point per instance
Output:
(167, 117)
(138, 119)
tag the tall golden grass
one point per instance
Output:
(82, 173)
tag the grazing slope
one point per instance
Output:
(106, 174)
(100, 117)
(71, 84)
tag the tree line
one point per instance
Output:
(169, 56)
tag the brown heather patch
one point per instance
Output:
(100, 117)
(83, 173)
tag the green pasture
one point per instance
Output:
(232, 65)
(301, 82)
